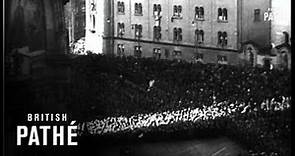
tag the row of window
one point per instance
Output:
(221, 59)
(177, 34)
(177, 11)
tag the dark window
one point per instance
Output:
(179, 34)
(167, 53)
(138, 9)
(157, 53)
(199, 12)
(219, 14)
(137, 51)
(121, 7)
(120, 50)
(199, 36)
(121, 29)
(138, 30)
(157, 9)
(177, 54)
(222, 14)
(222, 38)
(221, 59)
(175, 34)
(157, 32)
(177, 10)
(257, 15)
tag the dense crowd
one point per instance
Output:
(119, 94)
(139, 121)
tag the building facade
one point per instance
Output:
(210, 31)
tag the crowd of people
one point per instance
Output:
(139, 121)
(126, 94)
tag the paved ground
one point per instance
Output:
(212, 147)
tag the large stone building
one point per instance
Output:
(212, 31)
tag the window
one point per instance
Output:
(120, 50)
(222, 38)
(177, 54)
(177, 9)
(138, 9)
(199, 36)
(121, 29)
(137, 51)
(221, 59)
(121, 7)
(198, 57)
(157, 53)
(157, 33)
(138, 31)
(167, 53)
(177, 34)
(257, 15)
(222, 14)
(199, 13)
(157, 10)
